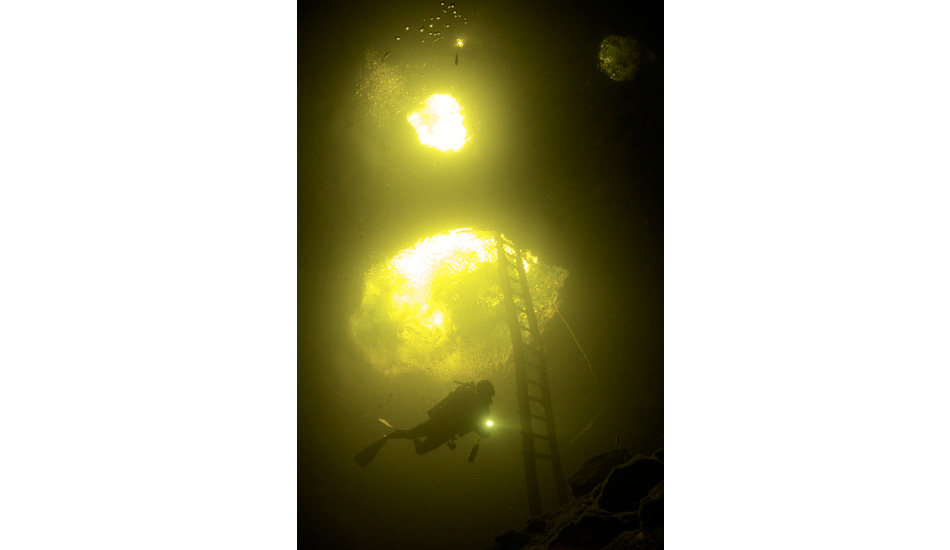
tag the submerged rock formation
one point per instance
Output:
(618, 505)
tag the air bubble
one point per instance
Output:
(422, 29)
(407, 27)
(397, 38)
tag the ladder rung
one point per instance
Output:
(535, 382)
(536, 359)
(536, 455)
(533, 362)
(538, 417)
(536, 400)
(539, 436)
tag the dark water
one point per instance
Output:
(564, 160)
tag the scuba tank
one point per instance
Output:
(439, 407)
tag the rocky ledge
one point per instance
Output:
(617, 505)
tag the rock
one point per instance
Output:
(651, 508)
(512, 540)
(568, 514)
(637, 540)
(625, 541)
(629, 483)
(537, 524)
(618, 505)
(591, 531)
(595, 470)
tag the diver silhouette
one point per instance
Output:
(462, 411)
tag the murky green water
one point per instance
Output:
(560, 157)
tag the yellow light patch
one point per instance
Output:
(438, 307)
(458, 250)
(439, 123)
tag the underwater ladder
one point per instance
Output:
(531, 372)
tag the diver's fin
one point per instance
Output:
(388, 425)
(369, 453)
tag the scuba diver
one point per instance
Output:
(462, 411)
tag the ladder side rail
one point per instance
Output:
(524, 406)
(559, 481)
